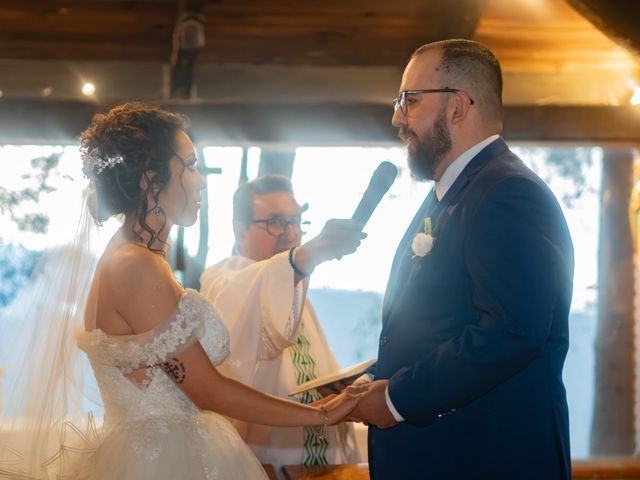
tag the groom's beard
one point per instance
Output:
(427, 152)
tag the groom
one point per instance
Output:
(468, 383)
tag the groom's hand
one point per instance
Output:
(323, 400)
(372, 406)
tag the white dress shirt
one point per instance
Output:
(442, 186)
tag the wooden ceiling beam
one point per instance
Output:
(332, 32)
(594, 125)
(51, 121)
(77, 51)
(188, 39)
(617, 20)
(461, 19)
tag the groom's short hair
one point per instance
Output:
(246, 192)
(472, 67)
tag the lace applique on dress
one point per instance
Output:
(215, 340)
(139, 357)
(147, 444)
(152, 347)
(185, 328)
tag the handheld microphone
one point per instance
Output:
(380, 182)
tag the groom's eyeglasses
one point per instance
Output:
(401, 102)
(276, 226)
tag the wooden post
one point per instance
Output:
(612, 430)
(188, 39)
(276, 161)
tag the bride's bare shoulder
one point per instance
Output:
(144, 289)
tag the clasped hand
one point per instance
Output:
(364, 403)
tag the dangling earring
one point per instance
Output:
(157, 210)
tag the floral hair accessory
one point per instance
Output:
(96, 162)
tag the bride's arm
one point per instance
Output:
(210, 390)
(145, 294)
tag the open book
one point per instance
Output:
(334, 382)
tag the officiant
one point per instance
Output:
(277, 342)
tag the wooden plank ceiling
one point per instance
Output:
(551, 54)
(310, 52)
(545, 46)
(291, 32)
(87, 30)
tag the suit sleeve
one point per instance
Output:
(371, 370)
(517, 264)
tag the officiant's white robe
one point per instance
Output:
(265, 313)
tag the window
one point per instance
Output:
(346, 294)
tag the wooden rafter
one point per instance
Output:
(28, 121)
(188, 39)
(618, 20)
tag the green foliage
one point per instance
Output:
(43, 170)
(16, 264)
(569, 163)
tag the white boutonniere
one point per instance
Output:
(423, 242)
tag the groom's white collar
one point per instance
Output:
(455, 169)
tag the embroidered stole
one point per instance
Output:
(315, 446)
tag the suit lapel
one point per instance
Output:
(439, 212)
(401, 253)
(476, 164)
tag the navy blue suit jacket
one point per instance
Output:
(474, 334)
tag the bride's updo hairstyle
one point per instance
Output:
(118, 148)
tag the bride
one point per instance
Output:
(152, 345)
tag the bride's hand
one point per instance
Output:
(340, 406)
(323, 400)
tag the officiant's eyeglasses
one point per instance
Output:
(276, 226)
(401, 102)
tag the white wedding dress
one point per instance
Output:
(151, 429)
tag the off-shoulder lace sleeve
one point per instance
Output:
(184, 328)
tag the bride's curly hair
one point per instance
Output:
(119, 148)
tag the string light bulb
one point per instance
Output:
(88, 89)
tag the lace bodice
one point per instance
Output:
(115, 358)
